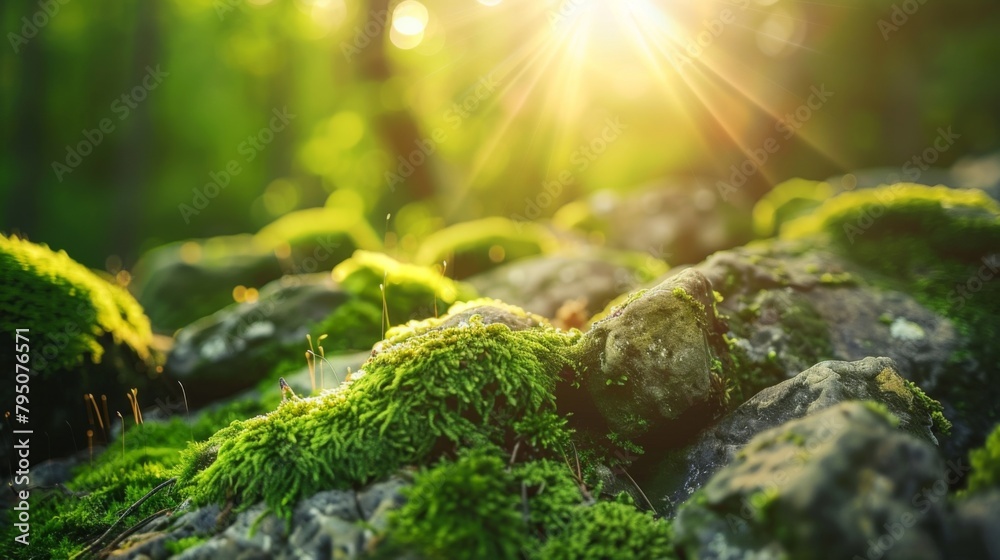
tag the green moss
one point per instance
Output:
(412, 328)
(328, 235)
(53, 295)
(63, 523)
(467, 246)
(610, 530)
(414, 401)
(985, 463)
(682, 295)
(180, 545)
(410, 290)
(479, 507)
(786, 201)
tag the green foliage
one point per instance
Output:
(467, 246)
(610, 530)
(433, 393)
(985, 464)
(328, 235)
(50, 293)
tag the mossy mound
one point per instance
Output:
(489, 310)
(478, 506)
(61, 300)
(84, 335)
(786, 201)
(327, 236)
(411, 291)
(479, 245)
(413, 402)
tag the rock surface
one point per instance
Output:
(824, 385)
(651, 360)
(238, 346)
(842, 483)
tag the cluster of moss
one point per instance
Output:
(425, 397)
(101, 490)
(479, 506)
(985, 463)
(51, 294)
(479, 245)
(328, 235)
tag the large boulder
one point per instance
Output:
(824, 385)
(841, 483)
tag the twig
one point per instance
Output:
(131, 530)
(97, 542)
(637, 487)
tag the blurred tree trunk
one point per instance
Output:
(25, 141)
(132, 179)
(398, 129)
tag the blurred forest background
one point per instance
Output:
(503, 92)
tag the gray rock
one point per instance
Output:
(975, 527)
(841, 483)
(545, 284)
(820, 387)
(650, 361)
(236, 347)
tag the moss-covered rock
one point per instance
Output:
(411, 291)
(656, 358)
(85, 335)
(480, 245)
(412, 402)
(181, 282)
(787, 201)
(841, 483)
(677, 475)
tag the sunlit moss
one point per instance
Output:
(479, 245)
(328, 235)
(432, 393)
(52, 294)
(410, 290)
(786, 201)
